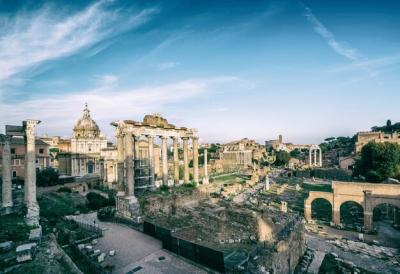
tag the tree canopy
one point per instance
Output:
(282, 158)
(378, 161)
(388, 128)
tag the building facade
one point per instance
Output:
(18, 153)
(364, 138)
(83, 157)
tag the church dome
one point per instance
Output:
(86, 127)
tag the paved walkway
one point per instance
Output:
(137, 252)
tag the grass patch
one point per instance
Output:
(13, 228)
(317, 187)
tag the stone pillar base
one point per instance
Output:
(6, 210)
(32, 216)
(128, 207)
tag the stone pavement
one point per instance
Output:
(137, 252)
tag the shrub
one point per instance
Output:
(47, 177)
(106, 213)
(64, 189)
(97, 201)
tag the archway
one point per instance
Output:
(321, 209)
(352, 214)
(387, 213)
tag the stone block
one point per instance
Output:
(112, 253)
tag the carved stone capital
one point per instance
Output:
(29, 127)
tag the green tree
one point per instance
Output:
(282, 158)
(47, 177)
(295, 153)
(379, 161)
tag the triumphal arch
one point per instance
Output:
(128, 133)
(367, 195)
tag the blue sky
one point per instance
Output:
(232, 69)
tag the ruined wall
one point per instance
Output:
(289, 250)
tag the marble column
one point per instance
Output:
(176, 161)
(205, 179)
(130, 182)
(320, 157)
(195, 159)
(120, 160)
(32, 217)
(150, 140)
(6, 173)
(315, 157)
(185, 159)
(310, 156)
(164, 158)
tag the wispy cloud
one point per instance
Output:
(30, 39)
(109, 103)
(339, 47)
(167, 65)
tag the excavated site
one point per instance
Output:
(206, 225)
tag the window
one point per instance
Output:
(13, 151)
(37, 161)
(17, 162)
(41, 150)
(14, 174)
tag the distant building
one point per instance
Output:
(83, 155)
(240, 154)
(347, 164)
(364, 138)
(18, 156)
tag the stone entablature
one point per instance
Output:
(129, 133)
(364, 138)
(365, 194)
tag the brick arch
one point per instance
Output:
(324, 199)
(361, 204)
(379, 201)
(313, 195)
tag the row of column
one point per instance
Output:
(313, 154)
(125, 159)
(32, 216)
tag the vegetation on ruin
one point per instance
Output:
(13, 228)
(378, 161)
(96, 201)
(324, 173)
(55, 205)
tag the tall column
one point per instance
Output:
(185, 159)
(205, 179)
(32, 217)
(6, 174)
(195, 159)
(150, 140)
(120, 159)
(176, 161)
(130, 183)
(315, 157)
(309, 156)
(320, 157)
(164, 153)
